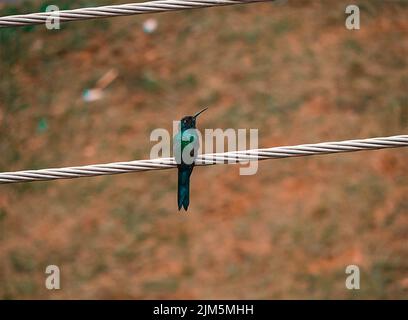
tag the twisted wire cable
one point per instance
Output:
(206, 159)
(115, 11)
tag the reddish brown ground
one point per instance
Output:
(292, 70)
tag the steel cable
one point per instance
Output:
(206, 159)
(115, 11)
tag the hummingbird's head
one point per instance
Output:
(189, 122)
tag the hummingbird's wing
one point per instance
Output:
(183, 140)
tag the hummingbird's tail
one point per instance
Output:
(183, 192)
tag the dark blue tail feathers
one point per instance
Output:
(183, 194)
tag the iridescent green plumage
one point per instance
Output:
(185, 148)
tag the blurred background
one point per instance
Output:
(291, 69)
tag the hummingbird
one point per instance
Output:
(185, 149)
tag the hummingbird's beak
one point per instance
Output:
(198, 113)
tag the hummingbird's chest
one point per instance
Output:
(186, 143)
(186, 137)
